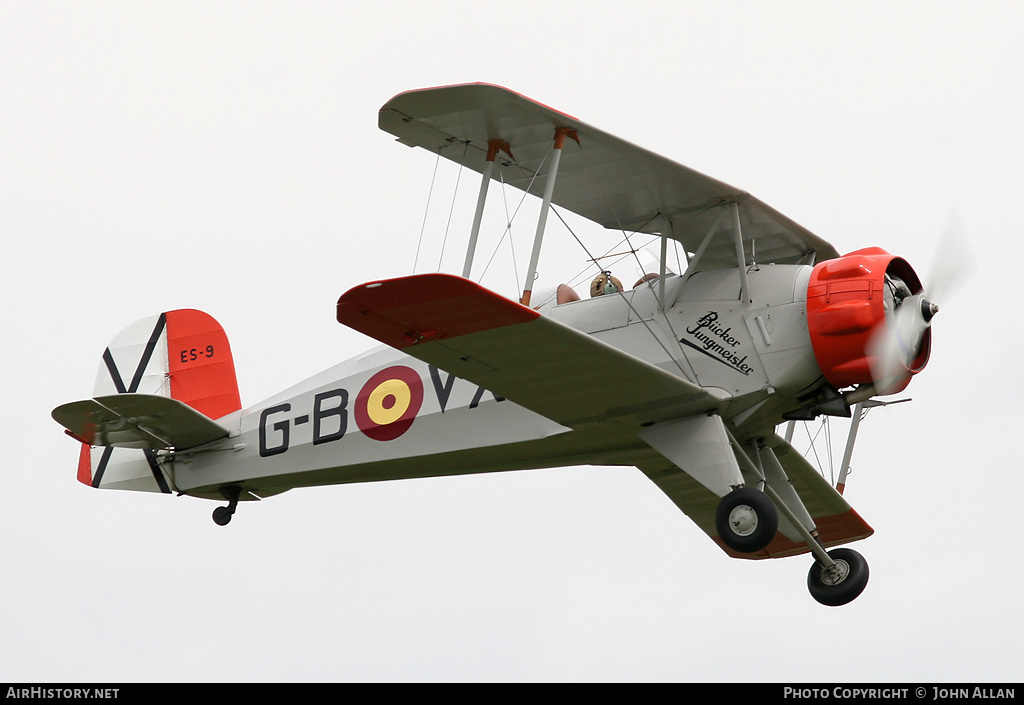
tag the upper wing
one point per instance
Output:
(513, 351)
(603, 178)
(144, 421)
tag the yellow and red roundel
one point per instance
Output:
(388, 403)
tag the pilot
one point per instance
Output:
(605, 283)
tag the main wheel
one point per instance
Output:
(746, 520)
(841, 585)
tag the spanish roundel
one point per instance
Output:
(388, 403)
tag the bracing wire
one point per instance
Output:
(622, 294)
(578, 277)
(812, 446)
(426, 209)
(509, 219)
(824, 433)
(451, 208)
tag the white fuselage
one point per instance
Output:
(755, 357)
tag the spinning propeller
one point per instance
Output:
(896, 349)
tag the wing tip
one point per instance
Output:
(833, 530)
(424, 307)
(478, 87)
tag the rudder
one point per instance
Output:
(182, 354)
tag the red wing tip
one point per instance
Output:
(833, 530)
(421, 308)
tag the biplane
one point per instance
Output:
(686, 376)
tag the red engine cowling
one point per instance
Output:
(847, 298)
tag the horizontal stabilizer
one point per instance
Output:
(143, 421)
(512, 351)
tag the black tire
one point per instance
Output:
(222, 515)
(845, 587)
(746, 520)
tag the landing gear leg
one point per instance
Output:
(222, 515)
(840, 583)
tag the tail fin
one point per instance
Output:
(180, 354)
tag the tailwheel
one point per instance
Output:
(842, 583)
(746, 520)
(222, 515)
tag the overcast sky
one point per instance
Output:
(225, 156)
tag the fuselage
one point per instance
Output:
(383, 415)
